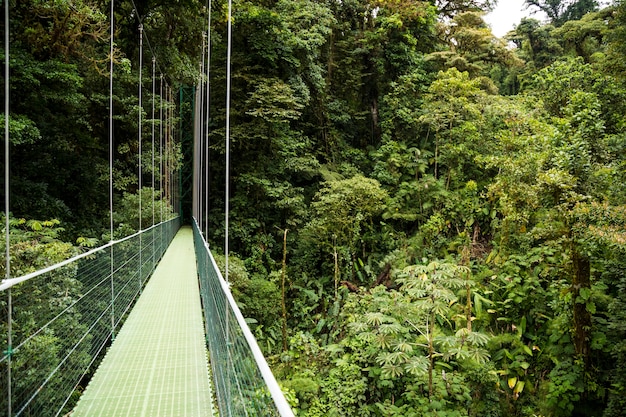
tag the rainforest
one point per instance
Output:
(425, 219)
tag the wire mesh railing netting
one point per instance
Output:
(243, 382)
(62, 319)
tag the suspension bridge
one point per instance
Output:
(144, 325)
(164, 321)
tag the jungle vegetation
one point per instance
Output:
(439, 227)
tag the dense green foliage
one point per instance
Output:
(452, 204)
(59, 91)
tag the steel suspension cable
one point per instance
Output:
(140, 114)
(166, 195)
(153, 121)
(153, 167)
(140, 139)
(168, 183)
(161, 150)
(207, 119)
(6, 140)
(196, 148)
(174, 182)
(7, 178)
(167, 146)
(168, 178)
(227, 174)
(111, 150)
(172, 146)
(200, 145)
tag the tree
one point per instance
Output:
(450, 8)
(616, 37)
(535, 43)
(473, 48)
(585, 37)
(342, 222)
(561, 11)
(433, 286)
(452, 109)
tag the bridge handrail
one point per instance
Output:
(58, 324)
(276, 393)
(8, 283)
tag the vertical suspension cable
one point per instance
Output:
(195, 148)
(153, 168)
(173, 168)
(168, 194)
(168, 149)
(161, 156)
(7, 178)
(227, 174)
(139, 138)
(111, 145)
(166, 163)
(140, 114)
(227, 198)
(171, 147)
(173, 143)
(6, 140)
(207, 119)
(208, 101)
(199, 145)
(194, 160)
(153, 114)
(203, 129)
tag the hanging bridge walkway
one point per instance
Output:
(173, 339)
(157, 365)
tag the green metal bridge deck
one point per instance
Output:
(157, 365)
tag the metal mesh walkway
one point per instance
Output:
(157, 365)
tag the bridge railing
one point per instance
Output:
(244, 383)
(56, 322)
